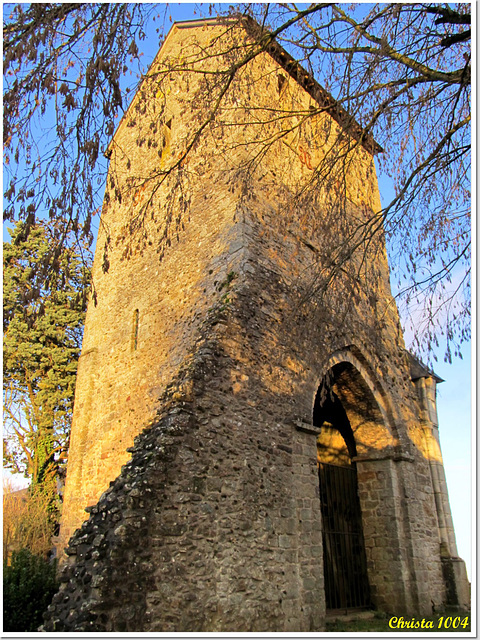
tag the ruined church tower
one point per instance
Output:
(251, 445)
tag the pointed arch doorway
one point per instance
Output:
(345, 565)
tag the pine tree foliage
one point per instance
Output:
(45, 293)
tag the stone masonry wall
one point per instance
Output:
(229, 548)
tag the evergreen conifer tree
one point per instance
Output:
(45, 292)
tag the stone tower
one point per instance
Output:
(243, 387)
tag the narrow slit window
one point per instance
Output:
(135, 329)
(166, 142)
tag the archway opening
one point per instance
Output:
(345, 566)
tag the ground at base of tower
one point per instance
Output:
(450, 620)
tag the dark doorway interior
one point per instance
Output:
(345, 570)
(345, 567)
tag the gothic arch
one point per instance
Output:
(349, 384)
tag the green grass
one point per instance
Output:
(440, 622)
